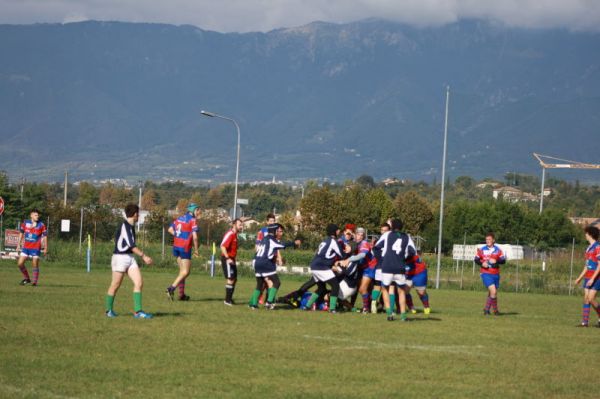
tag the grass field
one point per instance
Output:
(55, 342)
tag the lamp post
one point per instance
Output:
(439, 249)
(237, 165)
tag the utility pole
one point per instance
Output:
(66, 182)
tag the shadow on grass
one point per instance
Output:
(507, 314)
(425, 319)
(59, 286)
(169, 314)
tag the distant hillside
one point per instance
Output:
(107, 99)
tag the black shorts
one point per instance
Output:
(229, 270)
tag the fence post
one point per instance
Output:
(571, 274)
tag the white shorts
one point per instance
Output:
(378, 275)
(345, 291)
(265, 274)
(323, 275)
(399, 279)
(122, 262)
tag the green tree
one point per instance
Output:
(414, 211)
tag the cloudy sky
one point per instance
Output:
(264, 15)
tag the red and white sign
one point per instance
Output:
(1, 206)
(11, 238)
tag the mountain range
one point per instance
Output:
(326, 101)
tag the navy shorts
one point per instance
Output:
(181, 253)
(420, 279)
(370, 273)
(595, 285)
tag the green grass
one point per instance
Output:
(55, 342)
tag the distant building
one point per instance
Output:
(583, 221)
(485, 184)
(512, 194)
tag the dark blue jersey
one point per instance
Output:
(396, 248)
(326, 255)
(266, 250)
(124, 239)
(350, 274)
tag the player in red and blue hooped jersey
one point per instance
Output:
(490, 257)
(33, 240)
(417, 272)
(590, 274)
(184, 230)
(366, 264)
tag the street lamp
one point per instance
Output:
(237, 165)
(439, 249)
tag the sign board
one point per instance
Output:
(1, 206)
(65, 225)
(11, 238)
(468, 252)
(242, 201)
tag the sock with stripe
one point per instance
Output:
(488, 304)
(409, 302)
(137, 301)
(24, 271)
(228, 292)
(586, 314)
(36, 275)
(181, 288)
(424, 299)
(366, 300)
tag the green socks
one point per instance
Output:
(332, 302)
(312, 300)
(375, 295)
(393, 302)
(137, 301)
(109, 300)
(254, 299)
(272, 293)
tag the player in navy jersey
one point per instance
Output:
(590, 275)
(123, 263)
(376, 292)
(259, 236)
(490, 257)
(396, 247)
(265, 265)
(321, 268)
(33, 240)
(184, 230)
(365, 262)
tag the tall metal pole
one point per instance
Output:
(542, 193)
(237, 164)
(139, 205)
(439, 248)
(65, 196)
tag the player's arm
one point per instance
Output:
(147, 260)
(195, 240)
(591, 279)
(45, 244)
(223, 247)
(19, 245)
(171, 230)
(578, 279)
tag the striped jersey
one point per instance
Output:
(327, 253)
(32, 234)
(486, 253)
(592, 258)
(264, 260)
(184, 228)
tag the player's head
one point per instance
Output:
(396, 224)
(273, 228)
(237, 224)
(35, 214)
(360, 234)
(384, 228)
(490, 238)
(332, 230)
(592, 231)
(131, 210)
(194, 209)
(270, 218)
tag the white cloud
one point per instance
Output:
(264, 15)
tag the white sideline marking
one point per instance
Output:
(464, 349)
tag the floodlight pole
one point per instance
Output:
(237, 165)
(542, 192)
(439, 248)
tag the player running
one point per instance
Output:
(123, 263)
(184, 230)
(229, 246)
(33, 240)
(590, 273)
(490, 257)
(396, 247)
